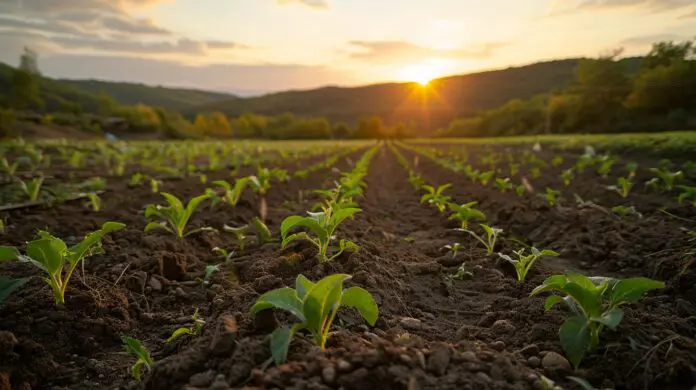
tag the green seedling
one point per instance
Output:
(8, 285)
(557, 161)
(535, 172)
(2, 226)
(7, 168)
(322, 225)
(224, 253)
(513, 169)
(211, 269)
(489, 240)
(232, 194)
(240, 233)
(93, 184)
(631, 168)
(263, 233)
(302, 174)
(595, 304)
(461, 273)
(280, 174)
(525, 261)
(552, 196)
(174, 217)
(625, 211)
(435, 197)
(453, 249)
(51, 255)
(32, 188)
(485, 177)
(194, 330)
(155, 185)
(315, 306)
(567, 176)
(465, 213)
(688, 193)
(135, 348)
(606, 163)
(666, 179)
(503, 184)
(622, 187)
(94, 201)
(261, 183)
(520, 190)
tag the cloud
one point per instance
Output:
(563, 7)
(689, 15)
(648, 40)
(317, 4)
(392, 51)
(98, 26)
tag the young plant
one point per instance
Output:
(552, 196)
(524, 261)
(7, 168)
(134, 347)
(155, 184)
(315, 306)
(461, 273)
(489, 240)
(557, 161)
(263, 233)
(631, 168)
(625, 211)
(233, 194)
(435, 197)
(595, 304)
(503, 184)
(606, 163)
(94, 201)
(194, 330)
(51, 255)
(485, 177)
(567, 176)
(453, 248)
(174, 217)
(240, 233)
(535, 172)
(666, 178)
(622, 187)
(32, 188)
(520, 190)
(465, 213)
(688, 193)
(8, 285)
(322, 225)
(212, 269)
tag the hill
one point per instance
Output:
(157, 96)
(59, 94)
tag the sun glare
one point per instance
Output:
(421, 74)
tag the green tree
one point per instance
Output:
(24, 90)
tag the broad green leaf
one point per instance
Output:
(633, 289)
(574, 335)
(174, 202)
(552, 301)
(8, 286)
(282, 298)
(315, 303)
(361, 300)
(342, 214)
(223, 184)
(302, 285)
(555, 282)
(109, 227)
(8, 253)
(294, 237)
(280, 342)
(49, 252)
(192, 206)
(611, 318)
(92, 240)
(587, 299)
(262, 231)
(155, 225)
(583, 383)
(296, 221)
(581, 280)
(349, 245)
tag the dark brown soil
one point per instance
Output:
(478, 333)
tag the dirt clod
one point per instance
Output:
(555, 361)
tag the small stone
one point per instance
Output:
(329, 375)
(344, 366)
(554, 361)
(439, 360)
(497, 373)
(405, 359)
(411, 323)
(7, 341)
(155, 284)
(468, 356)
(371, 336)
(420, 358)
(531, 377)
(220, 383)
(482, 377)
(534, 362)
(179, 292)
(202, 379)
(498, 345)
(530, 350)
(413, 383)
(503, 327)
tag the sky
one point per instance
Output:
(257, 46)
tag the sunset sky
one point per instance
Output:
(266, 45)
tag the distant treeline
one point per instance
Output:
(602, 98)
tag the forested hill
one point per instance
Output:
(157, 96)
(85, 94)
(446, 99)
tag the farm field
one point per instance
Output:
(446, 311)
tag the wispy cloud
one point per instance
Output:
(647, 40)
(561, 7)
(393, 51)
(317, 4)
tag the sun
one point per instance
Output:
(421, 74)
